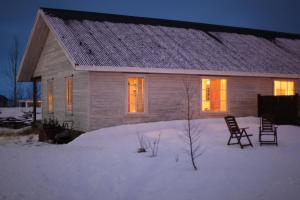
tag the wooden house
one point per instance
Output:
(102, 70)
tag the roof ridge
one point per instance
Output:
(73, 14)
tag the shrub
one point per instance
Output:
(51, 127)
(66, 136)
(144, 145)
(154, 145)
(51, 131)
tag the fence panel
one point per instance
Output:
(284, 109)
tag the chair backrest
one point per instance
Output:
(266, 123)
(232, 124)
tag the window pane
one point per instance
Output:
(136, 94)
(50, 95)
(205, 94)
(284, 88)
(69, 94)
(214, 95)
(291, 90)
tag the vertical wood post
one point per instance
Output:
(297, 107)
(258, 105)
(34, 98)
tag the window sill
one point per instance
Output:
(133, 114)
(211, 112)
(69, 114)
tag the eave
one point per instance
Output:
(182, 71)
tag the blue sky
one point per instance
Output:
(17, 16)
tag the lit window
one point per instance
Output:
(214, 95)
(284, 88)
(50, 95)
(69, 94)
(136, 94)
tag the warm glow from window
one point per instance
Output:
(284, 88)
(69, 94)
(214, 95)
(136, 94)
(50, 95)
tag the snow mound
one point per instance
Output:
(94, 138)
(104, 164)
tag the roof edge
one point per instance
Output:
(81, 15)
(27, 45)
(40, 16)
(181, 71)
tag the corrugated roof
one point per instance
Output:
(94, 39)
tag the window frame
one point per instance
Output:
(72, 94)
(284, 80)
(145, 94)
(52, 82)
(227, 95)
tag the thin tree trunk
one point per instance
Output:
(13, 69)
(188, 96)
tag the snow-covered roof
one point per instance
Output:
(106, 42)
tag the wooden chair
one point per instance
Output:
(267, 128)
(236, 132)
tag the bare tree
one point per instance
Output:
(144, 145)
(12, 70)
(192, 129)
(154, 145)
(147, 143)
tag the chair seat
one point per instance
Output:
(267, 128)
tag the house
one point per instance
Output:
(102, 70)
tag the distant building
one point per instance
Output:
(26, 105)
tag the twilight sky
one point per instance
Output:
(17, 16)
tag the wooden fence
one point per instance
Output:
(284, 109)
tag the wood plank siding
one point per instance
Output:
(53, 64)
(165, 99)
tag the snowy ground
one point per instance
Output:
(104, 165)
(17, 112)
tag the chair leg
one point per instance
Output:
(259, 138)
(249, 140)
(273, 141)
(230, 138)
(239, 142)
(228, 143)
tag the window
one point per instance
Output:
(69, 94)
(284, 88)
(214, 95)
(50, 95)
(136, 93)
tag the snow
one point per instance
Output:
(104, 164)
(17, 112)
(106, 42)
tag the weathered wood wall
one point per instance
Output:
(53, 64)
(165, 98)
